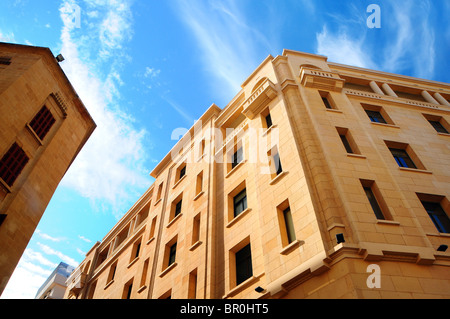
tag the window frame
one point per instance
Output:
(12, 164)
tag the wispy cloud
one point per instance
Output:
(50, 251)
(48, 237)
(409, 46)
(229, 45)
(110, 168)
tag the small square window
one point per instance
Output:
(434, 206)
(327, 100)
(404, 155)
(377, 114)
(376, 117)
(438, 123)
(402, 158)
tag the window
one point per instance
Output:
(404, 155)
(327, 100)
(438, 123)
(182, 172)
(268, 120)
(402, 158)
(172, 254)
(102, 256)
(244, 268)
(127, 289)
(347, 140)
(136, 250)
(112, 272)
(178, 208)
(289, 225)
(375, 199)
(377, 114)
(42, 122)
(192, 290)
(122, 236)
(159, 194)
(196, 229)
(199, 185)
(5, 60)
(153, 227)
(2, 218)
(238, 156)
(376, 117)
(12, 164)
(240, 202)
(144, 273)
(274, 162)
(434, 205)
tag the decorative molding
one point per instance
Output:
(265, 93)
(319, 79)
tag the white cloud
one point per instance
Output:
(30, 274)
(110, 168)
(341, 48)
(7, 37)
(50, 251)
(48, 237)
(85, 239)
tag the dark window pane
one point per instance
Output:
(326, 103)
(240, 203)
(12, 164)
(438, 127)
(375, 116)
(268, 120)
(182, 172)
(289, 225)
(237, 158)
(178, 208)
(277, 161)
(42, 122)
(373, 202)
(172, 254)
(244, 268)
(438, 216)
(346, 144)
(402, 158)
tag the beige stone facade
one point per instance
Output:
(43, 126)
(358, 208)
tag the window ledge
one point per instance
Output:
(443, 134)
(179, 181)
(198, 195)
(415, 170)
(235, 168)
(150, 240)
(156, 203)
(133, 262)
(142, 289)
(278, 177)
(165, 271)
(334, 110)
(385, 124)
(438, 234)
(296, 243)
(109, 284)
(7, 188)
(356, 155)
(388, 222)
(238, 217)
(174, 220)
(195, 245)
(243, 285)
(269, 129)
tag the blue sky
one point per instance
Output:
(146, 68)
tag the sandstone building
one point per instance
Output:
(43, 126)
(317, 180)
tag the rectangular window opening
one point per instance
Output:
(12, 164)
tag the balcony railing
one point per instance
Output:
(319, 79)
